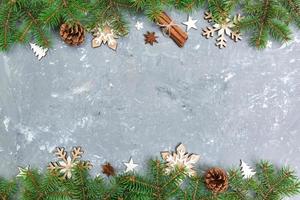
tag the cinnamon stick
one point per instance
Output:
(175, 32)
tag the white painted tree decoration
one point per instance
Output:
(38, 51)
(246, 170)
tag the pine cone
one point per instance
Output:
(216, 179)
(72, 35)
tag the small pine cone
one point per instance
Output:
(108, 170)
(72, 35)
(216, 179)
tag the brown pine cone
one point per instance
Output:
(216, 179)
(72, 35)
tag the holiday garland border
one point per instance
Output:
(172, 177)
(23, 21)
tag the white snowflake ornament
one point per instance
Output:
(246, 170)
(66, 163)
(180, 159)
(139, 25)
(104, 36)
(269, 44)
(222, 29)
(38, 51)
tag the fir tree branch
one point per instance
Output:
(197, 183)
(174, 178)
(239, 186)
(37, 27)
(265, 19)
(261, 29)
(266, 184)
(7, 189)
(8, 19)
(293, 7)
(219, 10)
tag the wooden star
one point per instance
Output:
(190, 23)
(150, 38)
(130, 166)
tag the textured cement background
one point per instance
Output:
(222, 104)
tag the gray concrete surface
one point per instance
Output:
(226, 105)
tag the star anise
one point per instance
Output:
(108, 170)
(150, 38)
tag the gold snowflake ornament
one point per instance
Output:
(66, 163)
(180, 159)
(227, 27)
(104, 36)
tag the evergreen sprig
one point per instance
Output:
(272, 184)
(31, 25)
(155, 185)
(268, 183)
(44, 186)
(8, 189)
(264, 19)
(56, 11)
(23, 20)
(9, 16)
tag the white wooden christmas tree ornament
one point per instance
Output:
(38, 51)
(246, 170)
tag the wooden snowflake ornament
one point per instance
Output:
(246, 170)
(180, 159)
(23, 172)
(104, 36)
(38, 51)
(66, 163)
(227, 27)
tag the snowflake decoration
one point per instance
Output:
(246, 170)
(23, 172)
(104, 36)
(66, 163)
(269, 44)
(139, 25)
(180, 159)
(222, 29)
